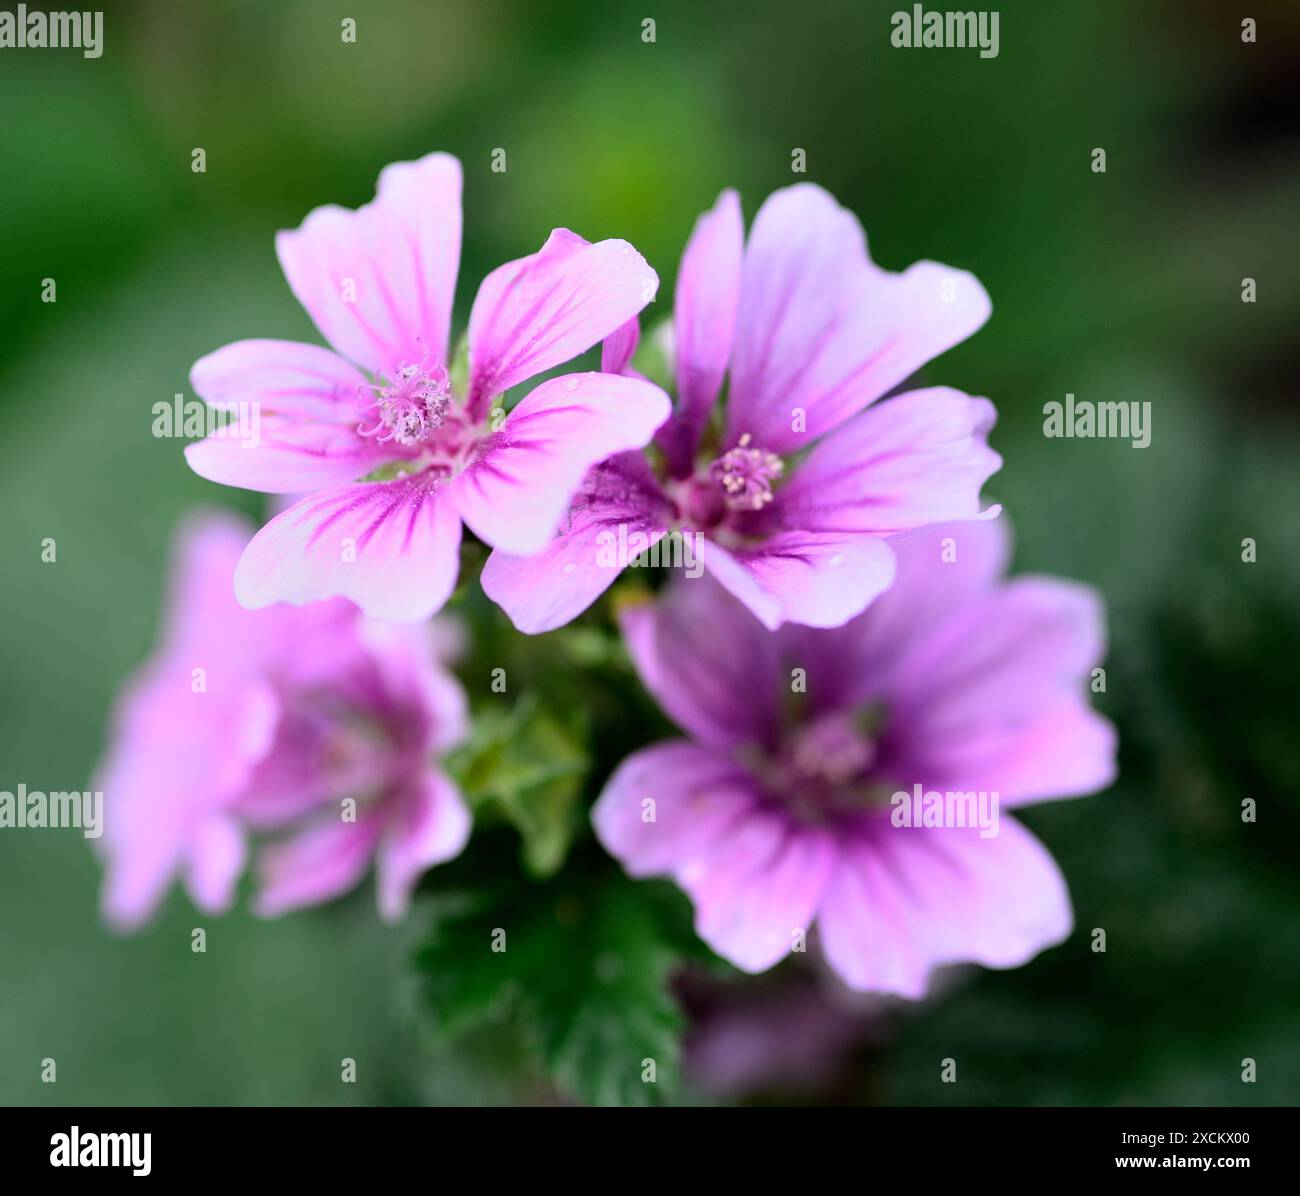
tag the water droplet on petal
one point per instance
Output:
(836, 561)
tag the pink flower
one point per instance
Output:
(780, 811)
(378, 282)
(784, 1036)
(310, 725)
(795, 497)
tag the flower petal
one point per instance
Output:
(216, 859)
(136, 881)
(822, 579)
(1069, 750)
(940, 568)
(538, 312)
(429, 825)
(993, 697)
(821, 331)
(407, 655)
(619, 347)
(755, 877)
(916, 459)
(306, 404)
(379, 282)
(391, 547)
(315, 865)
(704, 322)
(904, 901)
(760, 888)
(666, 805)
(708, 662)
(202, 619)
(178, 757)
(619, 498)
(517, 489)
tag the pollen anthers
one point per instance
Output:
(745, 474)
(410, 405)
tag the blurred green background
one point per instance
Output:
(1124, 285)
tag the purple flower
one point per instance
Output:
(378, 282)
(790, 804)
(786, 1035)
(311, 726)
(794, 495)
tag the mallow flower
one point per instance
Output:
(847, 785)
(372, 430)
(792, 497)
(311, 729)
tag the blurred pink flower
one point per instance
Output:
(379, 282)
(310, 725)
(778, 811)
(782, 1036)
(795, 503)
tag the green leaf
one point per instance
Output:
(526, 768)
(581, 966)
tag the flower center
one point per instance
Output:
(745, 475)
(832, 748)
(410, 406)
(828, 769)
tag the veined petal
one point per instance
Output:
(755, 877)
(916, 459)
(515, 492)
(822, 579)
(1069, 750)
(940, 568)
(542, 310)
(619, 347)
(704, 322)
(992, 698)
(713, 668)
(620, 504)
(821, 331)
(302, 410)
(391, 547)
(666, 805)
(904, 901)
(379, 282)
(759, 889)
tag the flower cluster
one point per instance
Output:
(312, 728)
(798, 490)
(780, 811)
(851, 651)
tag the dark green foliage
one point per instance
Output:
(579, 965)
